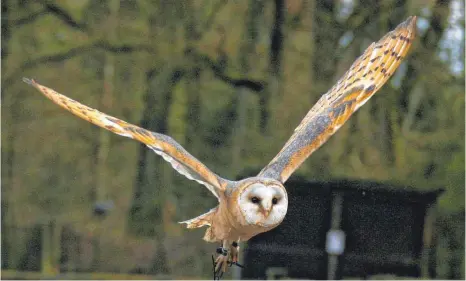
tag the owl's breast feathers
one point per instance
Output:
(229, 224)
(226, 221)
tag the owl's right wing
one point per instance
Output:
(169, 149)
(365, 77)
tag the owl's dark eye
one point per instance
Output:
(274, 200)
(255, 200)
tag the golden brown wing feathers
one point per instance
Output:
(163, 145)
(365, 76)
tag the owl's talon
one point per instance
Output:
(222, 251)
(221, 264)
(217, 274)
(226, 258)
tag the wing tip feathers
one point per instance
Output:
(409, 24)
(29, 81)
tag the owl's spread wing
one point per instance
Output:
(161, 144)
(367, 74)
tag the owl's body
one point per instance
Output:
(259, 204)
(237, 218)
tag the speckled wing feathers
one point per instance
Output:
(161, 144)
(367, 74)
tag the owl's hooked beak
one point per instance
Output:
(265, 209)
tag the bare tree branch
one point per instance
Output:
(73, 53)
(64, 16)
(256, 86)
(30, 18)
(54, 10)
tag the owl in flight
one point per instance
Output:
(258, 204)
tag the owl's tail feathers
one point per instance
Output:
(202, 220)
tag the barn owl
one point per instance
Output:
(258, 204)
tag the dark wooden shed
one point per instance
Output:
(347, 229)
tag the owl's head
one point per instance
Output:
(262, 202)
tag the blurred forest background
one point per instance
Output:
(229, 80)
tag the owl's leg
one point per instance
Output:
(222, 259)
(228, 255)
(234, 252)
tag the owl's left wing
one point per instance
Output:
(367, 74)
(165, 146)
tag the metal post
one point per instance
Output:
(56, 246)
(50, 249)
(428, 256)
(45, 251)
(333, 271)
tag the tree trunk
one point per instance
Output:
(144, 214)
(106, 102)
(274, 83)
(247, 51)
(193, 143)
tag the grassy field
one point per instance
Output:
(31, 275)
